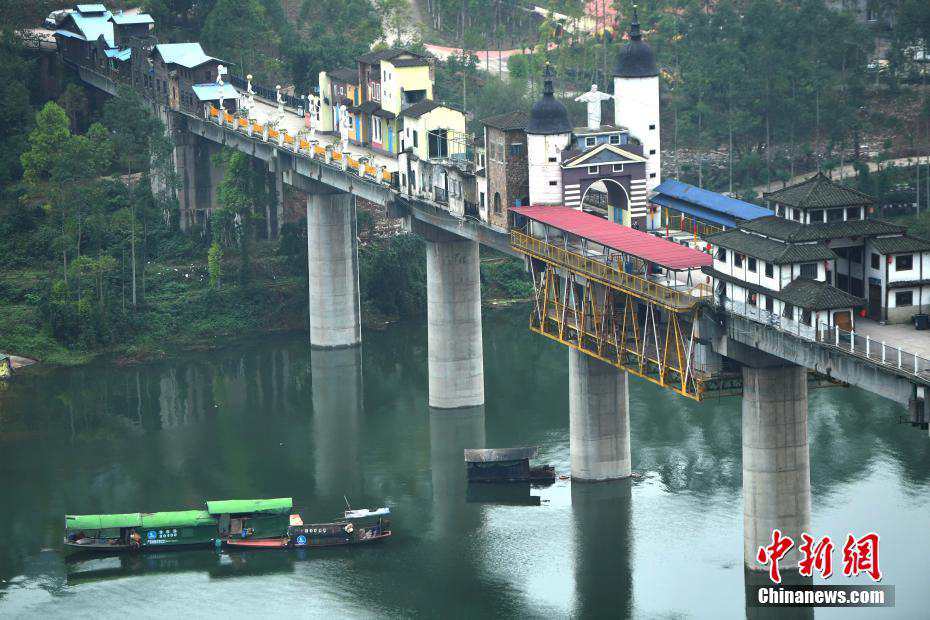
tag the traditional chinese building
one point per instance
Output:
(821, 259)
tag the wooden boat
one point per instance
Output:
(356, 527)
(506, 465)
(139, 531)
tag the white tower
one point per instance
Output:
(636, 104)
(548, 133)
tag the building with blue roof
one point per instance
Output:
(704, 206)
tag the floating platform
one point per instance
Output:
(506, 465)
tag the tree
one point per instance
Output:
(46, 143)
(397, 17)
(241, 31)
(132, 129)
(215, 264)
(74, 102)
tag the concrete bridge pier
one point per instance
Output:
(332, 255)
(338, 408)
(776, 461)
(599, 419)
(453, 317)
(274, 213)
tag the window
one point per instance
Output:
(652, 127)
(618, 168)
(590, 141)
(737, 259)
(904, 262)
(553, 183)
(806, 317)
(752, 264)
(553, 160)
(516, 149)
(796, 215)
(903, 298)
(876, 261)
(652, 175)
(769, 270)
(769, 304)
(816, 216)
(652, 151)
(852, 213)
(415, 141)
(834, 215)
(722, 254)
(481, 199)
(376, 130)
(809, 270)
(497, 202)
(788, 311)
(615, 139)
(592, 169)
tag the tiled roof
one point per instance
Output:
(507, 122)
(816, 295)
(420, 108)
(401, 63)
(789, 230)
(389, 54)
(189, 55)
(907, 283)
(819, 192)
(902, 243)
(344, 75)
(769, 249)
(801, 292)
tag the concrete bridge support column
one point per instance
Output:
(599, 419)
(274, 212)
(332, 254)
(453, 317)
(776, 464)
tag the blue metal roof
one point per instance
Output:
(692, 199)
(123, 19)
(125, 54)
(188, 55)
(212, 91)
(92, 26)
(91, 8)
(694, 211)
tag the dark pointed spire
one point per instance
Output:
(636, 59)
(547, 80)
(548, 115)
(635, 33)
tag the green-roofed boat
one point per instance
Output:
(138, 531)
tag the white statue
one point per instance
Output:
(280, 99)
(344, 127)
(251, 92)
(593, 98)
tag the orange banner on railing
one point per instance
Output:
(214, 112)
(273, 133)
(371, 170)
(319, 150)
(243, 122)
(256, 128)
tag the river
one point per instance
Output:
(270, 418)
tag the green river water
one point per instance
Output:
(270, 418)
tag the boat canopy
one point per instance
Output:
(491, 455)
(242, 506)
(102, 522)
(365, 512)
(177, 518)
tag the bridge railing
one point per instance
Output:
(627, 282)
(850, 342)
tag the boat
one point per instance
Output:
(355, 527)
(506, 465)
(139, 530)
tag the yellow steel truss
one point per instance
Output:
(630, 333)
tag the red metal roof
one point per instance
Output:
(617, 237)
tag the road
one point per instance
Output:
(845, 171)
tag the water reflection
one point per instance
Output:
(602, 543)
(275, 419)
(337, 418)
(755, 578)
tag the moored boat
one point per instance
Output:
(356, 527)
(506, 465)
(136, 531)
